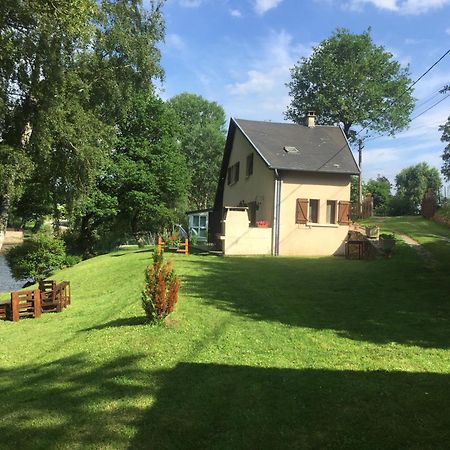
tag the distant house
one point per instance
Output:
(284, 189)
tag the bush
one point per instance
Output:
(160, 293)
(37, 257)
(71, 260)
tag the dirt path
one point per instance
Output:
(420, 249)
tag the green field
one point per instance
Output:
(260, 353)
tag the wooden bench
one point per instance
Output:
(54, 297)
(4, 309)
(25, 304)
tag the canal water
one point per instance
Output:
(7, 282)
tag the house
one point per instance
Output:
(284, 189)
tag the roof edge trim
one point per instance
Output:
(251, 142)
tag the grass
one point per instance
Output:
(433, 236)
(261, 353)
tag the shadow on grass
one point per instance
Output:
(241, 407)
(397, 300)
(70, 403)
(125, 322)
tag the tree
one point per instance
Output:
(351, 81)
(412, 184)
(380, 189)
(446, 154)
(201, 134)
(44, 109)
(15, 167)
(149, 170)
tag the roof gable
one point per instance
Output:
(319, 149)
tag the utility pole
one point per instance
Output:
(360, 148)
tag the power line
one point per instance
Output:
(409, 88)
(392, 104)
(432, 106)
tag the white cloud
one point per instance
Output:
(259, 90)
(191, 3)
(257, 82)
(262, 6)
(175, 41)
(413, 7)
(235, 13)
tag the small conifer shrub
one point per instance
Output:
(161, 288)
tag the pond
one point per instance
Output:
(7, 282)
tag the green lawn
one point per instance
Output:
(261, 353)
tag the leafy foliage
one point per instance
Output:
(37, 257)
(148, 170)
(201, 134)
(350, 80)
(446, 154)
(380, 189)
(160, 293)
(412, 183)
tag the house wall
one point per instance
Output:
(240, 239)
(257, 187)
(318, 239)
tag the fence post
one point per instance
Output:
(37, 303)
(15, 307)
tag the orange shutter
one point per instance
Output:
(301, 211)
(343, 214)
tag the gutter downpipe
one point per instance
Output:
(276, 215)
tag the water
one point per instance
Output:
(7, 282)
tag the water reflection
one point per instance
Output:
(7, 282)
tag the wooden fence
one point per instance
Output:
(179, 247)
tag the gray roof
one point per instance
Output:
(320, 149)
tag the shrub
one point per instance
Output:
(37, 257)
(161, 288)
(71, 260)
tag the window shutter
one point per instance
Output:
(343, 214)
(301, 211)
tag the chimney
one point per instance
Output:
(311, 119)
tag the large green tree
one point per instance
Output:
(412, 183)
(350, 80)
(45, 109)
(201, 136)
(149, 170)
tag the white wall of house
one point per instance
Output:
(312, 239)
(258, 187)
(241, 239)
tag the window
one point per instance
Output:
(236, 172)
(331, 211)
(233, 174)
(249, 168)
(313, 211)
(199, 226)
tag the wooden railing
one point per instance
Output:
(181, 247)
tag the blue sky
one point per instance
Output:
(238, 53)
